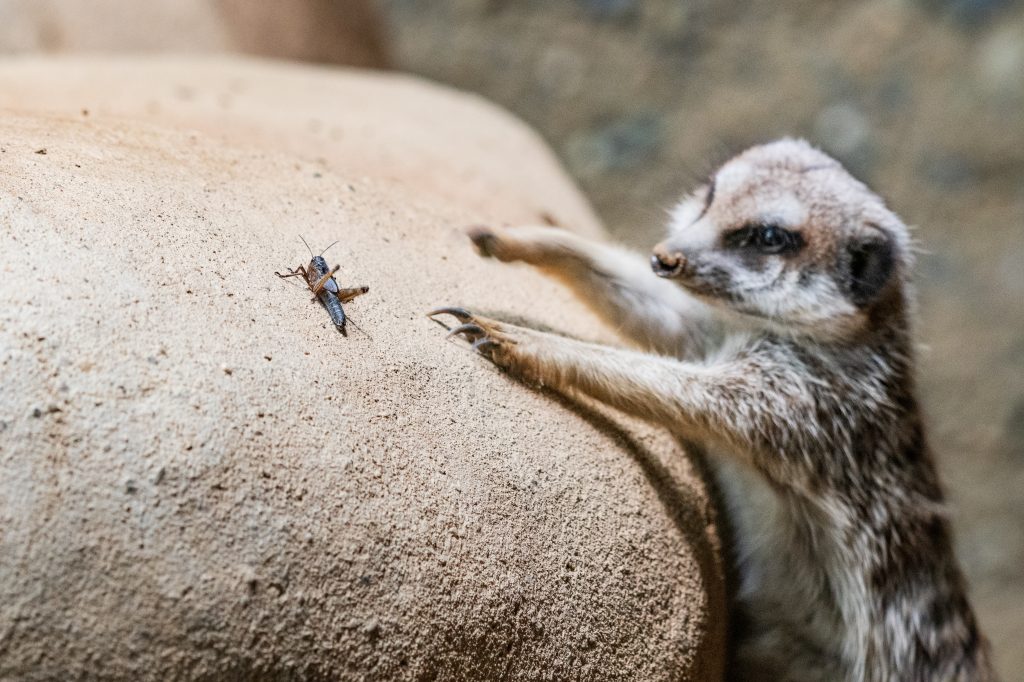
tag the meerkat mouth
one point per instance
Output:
(710, 290)
(705, 282)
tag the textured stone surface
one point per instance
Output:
(922, 99)
(363, 128)
(201, 479)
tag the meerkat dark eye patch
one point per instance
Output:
(764, 238)
(871, 264)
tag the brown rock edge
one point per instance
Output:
(201, 479)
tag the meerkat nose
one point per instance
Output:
(667, 264)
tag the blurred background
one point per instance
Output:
(922, 99)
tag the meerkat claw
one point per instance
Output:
(485, 344)
(483, 239)
(473, 332)
(461, 314)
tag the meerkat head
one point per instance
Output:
(783, 233)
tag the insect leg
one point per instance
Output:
(292, 273)
(319, 286)
(346, 295)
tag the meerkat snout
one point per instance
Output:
(667, 264)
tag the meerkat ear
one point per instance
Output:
(871, 261)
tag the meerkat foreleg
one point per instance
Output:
(744, 403)
(615, 282)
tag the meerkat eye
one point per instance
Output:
(764, 238)
(771, 239)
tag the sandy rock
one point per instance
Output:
(359, 125)
(345, 32)
(201, 479)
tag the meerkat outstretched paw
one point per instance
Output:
(536, 245)
(487, 241)
(615, 282)
(492, 339)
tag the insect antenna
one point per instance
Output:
(307, 246)
(325, 250)
(361, 330)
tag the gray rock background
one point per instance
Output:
(922, 99)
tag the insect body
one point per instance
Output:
(320, 279)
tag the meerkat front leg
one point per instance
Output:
(614, 282)
(748, 403)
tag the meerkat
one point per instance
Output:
(774, 333)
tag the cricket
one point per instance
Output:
(319, 277)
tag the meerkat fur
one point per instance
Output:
(773, 331)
